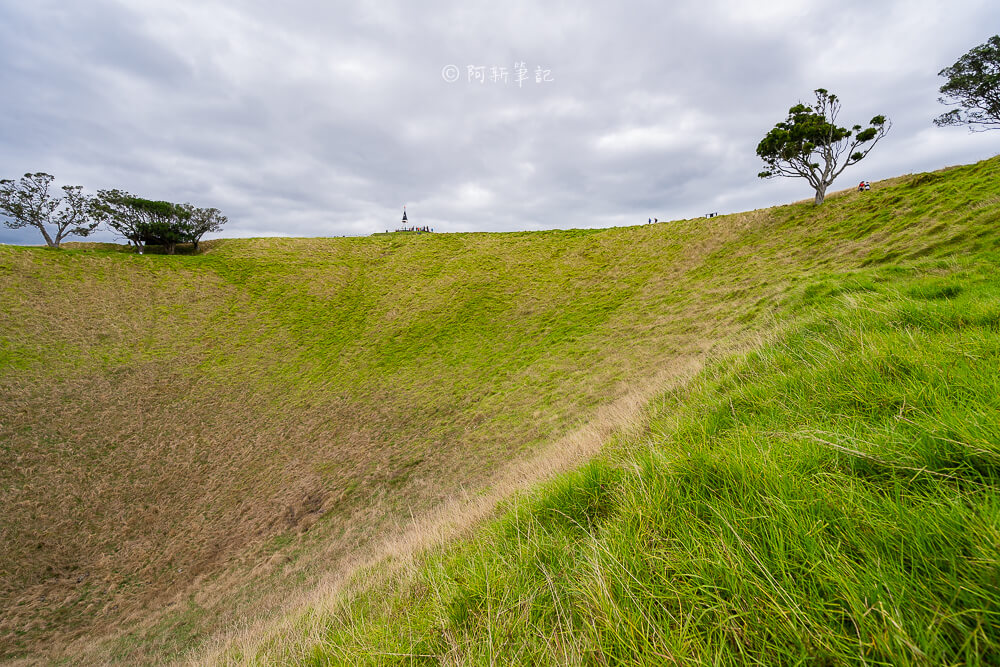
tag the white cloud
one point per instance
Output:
(633, 139)
(473, 196)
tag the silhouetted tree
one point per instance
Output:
(124, 214)
(28, 203)
(809, 144)
(169, 224)
(144, 221)
(202, 221)
(974, 85)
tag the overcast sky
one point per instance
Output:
(325, 118)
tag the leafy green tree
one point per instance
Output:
(973, 84)
(125, 214)
(202, 221)
(169, 224)
(809, 144)
(146, 222)
(28, 203)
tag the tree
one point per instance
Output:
(202, 221)
(143, 221)
(28, 203)
(809, 144)
(974, 85)
(168, 224)
(124, 213)
(147, 222)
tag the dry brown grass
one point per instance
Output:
(399, 551)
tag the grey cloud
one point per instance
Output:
(319, 118)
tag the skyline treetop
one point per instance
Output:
(973, 84)
(809, 143)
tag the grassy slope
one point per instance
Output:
(831, 497)
(199, 434)
(177, 424)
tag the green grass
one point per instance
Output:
(234, 424)
(832, 497)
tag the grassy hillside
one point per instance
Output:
(831, 498)
(184, 441)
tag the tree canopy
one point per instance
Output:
(28, 203)
(809, 144)
(168, 224)
(203, 221)
(147, 222)
(974, 85)
(125, 214)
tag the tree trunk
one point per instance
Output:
(820, 194)
(48, 239)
